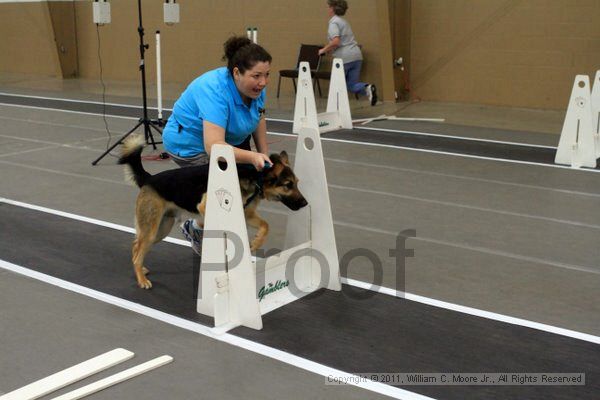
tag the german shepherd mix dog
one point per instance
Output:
(167, 195)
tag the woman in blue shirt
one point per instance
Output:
(222, 106)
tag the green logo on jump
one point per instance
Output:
(270, 288)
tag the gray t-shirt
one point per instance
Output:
(348, 50)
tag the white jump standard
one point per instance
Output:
(337, 115)
(237, 290)
(577, 145)
(596, 112)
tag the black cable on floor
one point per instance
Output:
(103, 93)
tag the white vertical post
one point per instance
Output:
(255, 35)
(158, 77)
(305, 111)
(596, 112)
(576, 146)
(249, 33)
(314, 220)
(337, 100)
(227, 277)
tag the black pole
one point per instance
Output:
(143, 48)
(145, 121)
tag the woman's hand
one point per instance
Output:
(259, 160)
(334, 44)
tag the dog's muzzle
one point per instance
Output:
(294, 204)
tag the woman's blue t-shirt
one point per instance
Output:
(212, 97)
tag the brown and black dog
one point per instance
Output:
(167, 195)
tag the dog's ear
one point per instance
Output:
(275, 158)
(270, 175)
(284, 158)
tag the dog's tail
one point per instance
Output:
(131, 154)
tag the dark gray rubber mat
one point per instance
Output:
(354, 331)
(453, 145)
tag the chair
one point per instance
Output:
(310, 54)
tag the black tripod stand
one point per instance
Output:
(147, 122)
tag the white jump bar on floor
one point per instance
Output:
(116, 378)
(70, 375)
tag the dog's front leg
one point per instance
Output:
(255, 221)
(201, 207)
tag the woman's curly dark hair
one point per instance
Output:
(242, 53)
(339, 6)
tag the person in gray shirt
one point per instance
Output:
(343, 44)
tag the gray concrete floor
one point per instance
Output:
(46, 329)
(515, 239)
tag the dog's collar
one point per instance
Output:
(258, 189)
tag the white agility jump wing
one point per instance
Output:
(596, 112)
(337, 115)
(314, 223)
(337, 100)
(233, 288)
(305, 111)
(227, 288)
(576, 146)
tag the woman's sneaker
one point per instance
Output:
(193, 235)
(372, 94)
